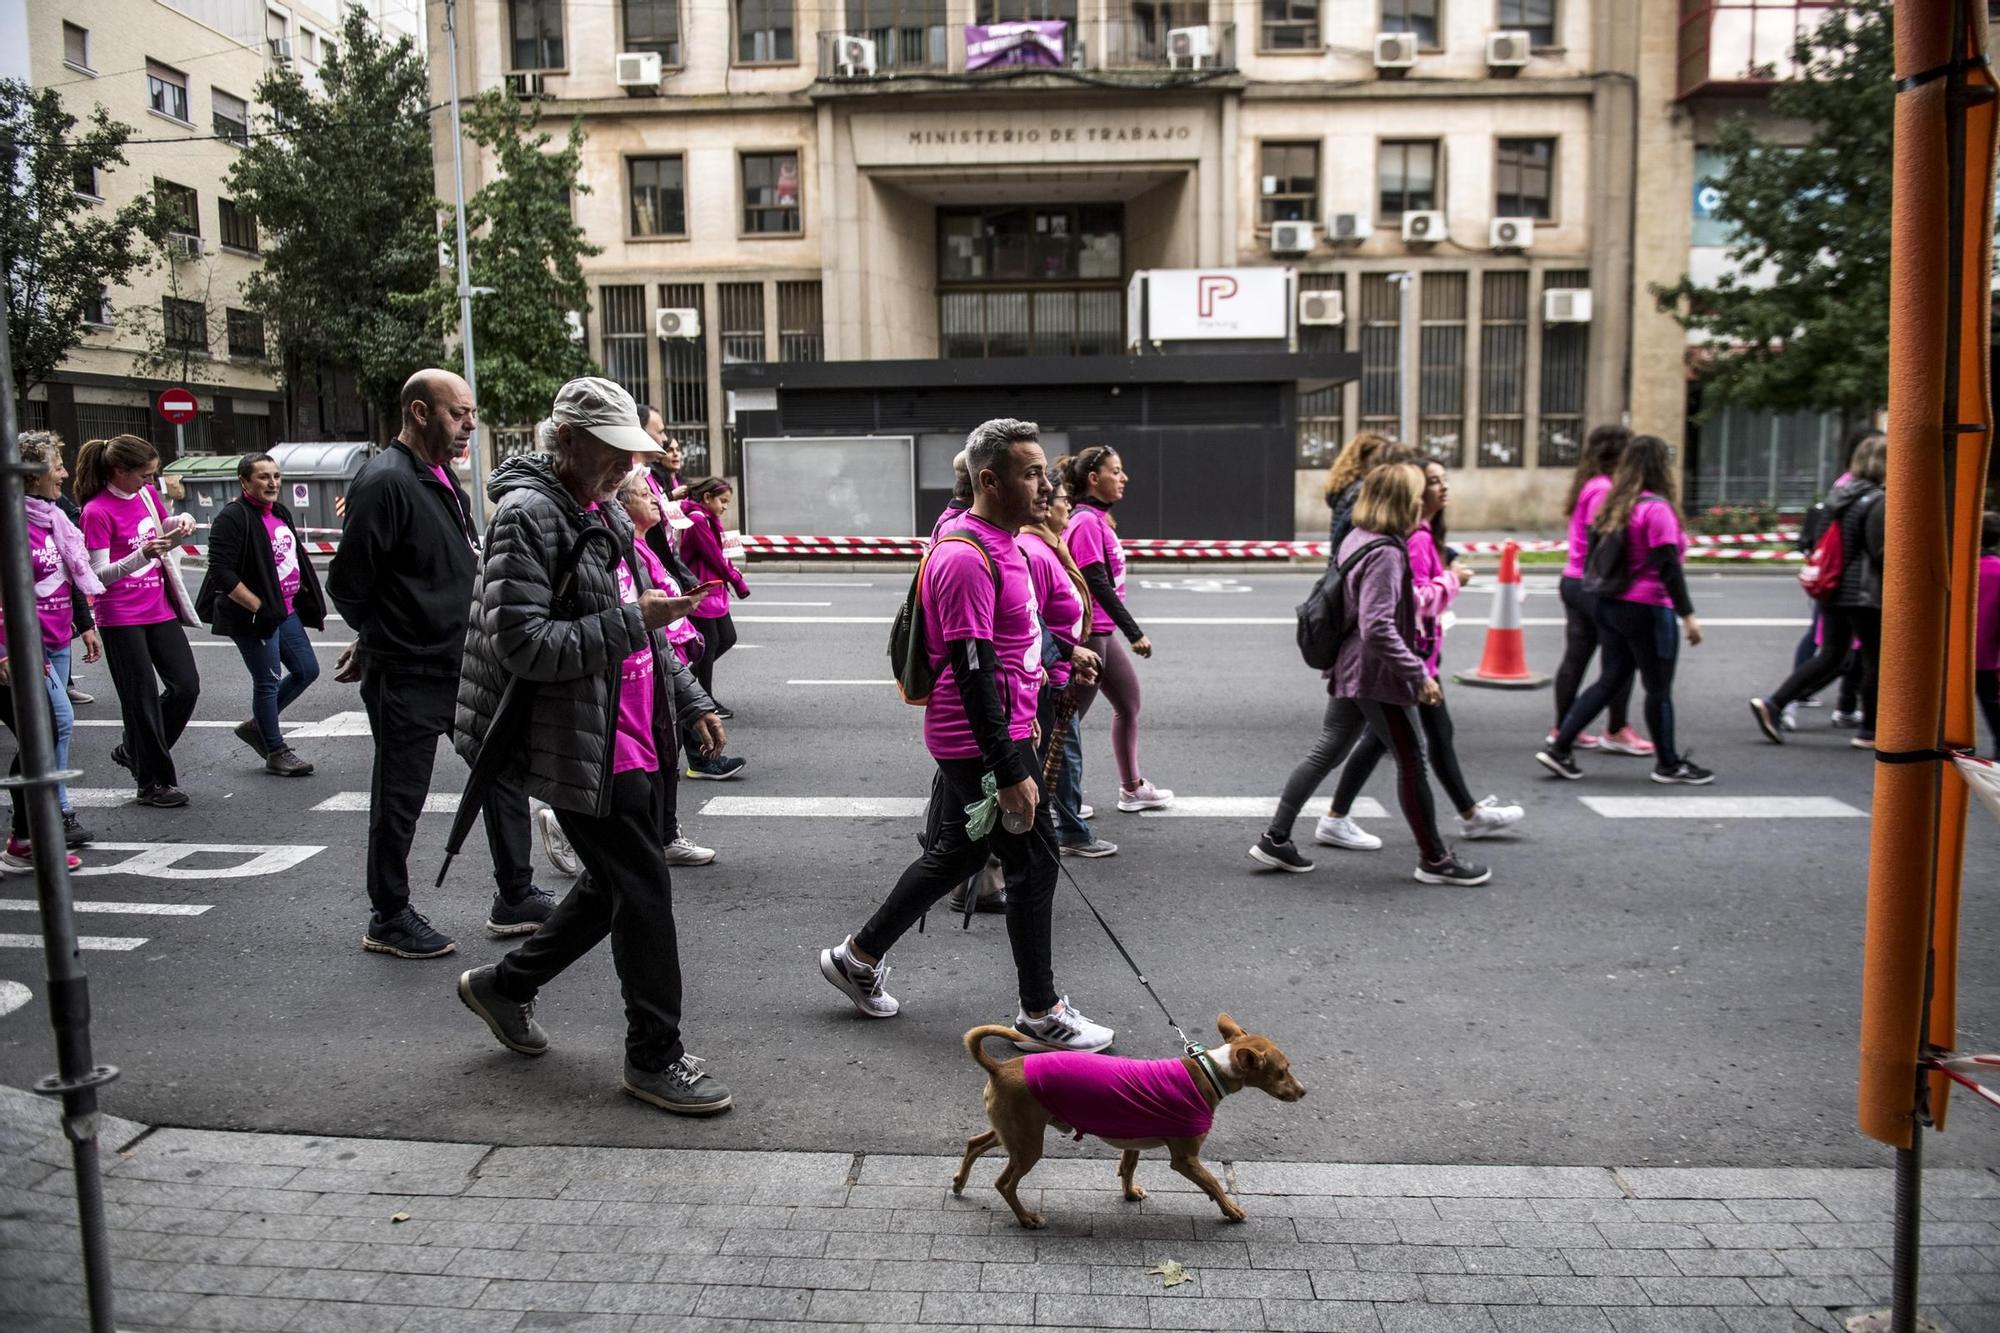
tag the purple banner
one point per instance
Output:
(1036, 42)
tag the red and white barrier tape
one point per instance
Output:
(1957, 1068)
(1725, 547)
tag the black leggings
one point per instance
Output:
(1443, 755)
(1395, 726)
(153, 670)
(1986, 688)
(1638, 639)
(1840, 626)
(1579, 643)
(718, 636)
(8, 698)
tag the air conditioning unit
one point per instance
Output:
(638, 69)
(1291, 238)
(1348, 228)
(677, 322)
(1508, 51)
(854, 56)
(1395, 52)
(1322, 308)
(527, 85)
(1192, 47)
(1423, 226)
(1566, 305)
(1511, 233)
(184, 247)
(281, 50)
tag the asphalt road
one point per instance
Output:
(1626, 990)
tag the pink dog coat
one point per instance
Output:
(1116, 1098)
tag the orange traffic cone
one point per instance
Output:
(1504, 663)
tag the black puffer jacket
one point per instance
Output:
(1858, 505)
(574, 663)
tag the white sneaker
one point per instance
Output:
(1789, 719)
(1085, 811)
(1061, 1029)
(1145, 796)
(683, 852)
(1344, 832)
(1489, 817)
(555, 844)
(858, 982)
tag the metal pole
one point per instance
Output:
(464, 267)
(1406, 390)
(78, 1076)
(1909, 1233)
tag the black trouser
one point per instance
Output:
(155, 711)
(718, 636)
(1440, 751)
(1986, 688)
(407, 712)
(1029, 860)
(670, 788)
(16, 795)
(1395, 726)
(1840, 626)
(626, 892)
(1639, 639)
(1580, 637)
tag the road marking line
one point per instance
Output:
(1248, 807)
(762, 602)
(811, 620)
(12, 996)
(780, 581)
(127, 909)
(347, 802)
(816, 807)
(840, 682)
(113, 943)
(100, 798)
(1721, 807)
(1749, 622)
(161, 860)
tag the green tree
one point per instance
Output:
(345, 209)
(57, 250)
(1804, 324)
(524, 246)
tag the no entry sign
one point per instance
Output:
(176, 405)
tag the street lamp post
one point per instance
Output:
(465, 287)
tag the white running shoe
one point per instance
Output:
(858, 982)
(1789, 719)
(1489, 817)
(685, 852)
(1061, 1029)
(1344, 832)
(1085, 811)
(1626, 741)
(555, 843)
(1145, 796)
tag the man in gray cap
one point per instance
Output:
(609, 695)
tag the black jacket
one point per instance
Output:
(239, 551)
(402, 577)
(1860, 509)
(575, 662)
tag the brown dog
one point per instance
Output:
(1130, 1104)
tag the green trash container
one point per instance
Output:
(209, 481)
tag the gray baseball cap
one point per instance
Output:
(606, 412)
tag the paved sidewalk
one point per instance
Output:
(284, 1232)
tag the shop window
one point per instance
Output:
(167, 92)
(1565, 366)
(1537, 18)
(1419, 17)
(1503, 368)
(770, 193)
(654, 25)
(1288, 184)
(1406, 173)
(658, 193)
(536, 27)
(1441, 368)
(1289, 25)
(1523, 178)
(764, 33)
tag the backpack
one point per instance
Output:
(1322, 616)
(1821, 573)
(1607, 572)
(909, 643)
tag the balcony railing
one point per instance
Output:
(1109, 45)
(1734, 43)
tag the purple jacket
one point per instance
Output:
(701, 549)
(1380, 657)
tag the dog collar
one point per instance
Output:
(1207, 1066)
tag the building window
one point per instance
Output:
(239, 229)
(623, 313)
(741, 332)
(1047, 244)
(1406, 174)
(654, 25)
(801, 335)
(1537, 18)
(1413, 16)
(76, 48)
(167, 92)
(231, 117)
(1321, 414)
(1565, 361)
(1289, 25)
(1044, 322)
(1523, 178)
(764, 33)
(246, 333)
(537, 29)
(659, 196)
(1288, 188)
(1441, 368)
(1503, 368)
(187, 324)
(684, 366)
(177, 204)
(770, 193)
(85, 181)
(1013, 11)
(1381, 324)
(97, 313)
(908, 34)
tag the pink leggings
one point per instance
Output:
(1120, 683)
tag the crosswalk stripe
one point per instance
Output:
(816, 807)
(12, 996)
(1249, 807)
(127, 909)
(1721, 807)
(885, 684)
(111, 943)
(347, 802)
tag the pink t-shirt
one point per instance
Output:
(1986, 639)
(122, 527)
(959, 603)
(1587, 500)
(284, 555)
(1092, 541)
(52, 602)
(1116, 1098)
(1062, 609)
(1653, 524)
(634, 746)
(682, 636)
(1436, 589)
(945, 520)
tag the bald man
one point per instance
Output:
(402, 579)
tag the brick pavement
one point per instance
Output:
(297, 1234)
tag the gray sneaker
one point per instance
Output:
(286, 763)
(683, 1087)
(248, 733)
(1096, 847)
(512, 1022)
(859, 982)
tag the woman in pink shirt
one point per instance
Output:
(1064, 598)
(1986, 639)
(701, 551)
(1587, 489)
(130, 535)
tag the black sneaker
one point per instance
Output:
(164, 795)
(984, 902)
(1279, 855)
(683, 1087)
(1562, 763)
(512, 1021)
(520, 918)
(714, 770)
(1452, 870)
(285, 762)
(1684, 774)
(725, 714)
(121, 756)
(407, 935)
(250, 735)
(74, 833)
(1767, 720)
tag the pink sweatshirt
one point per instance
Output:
(1116, 1098)
(1436, 588)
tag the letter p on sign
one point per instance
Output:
(1210, 288)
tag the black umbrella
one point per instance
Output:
(506, 733)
